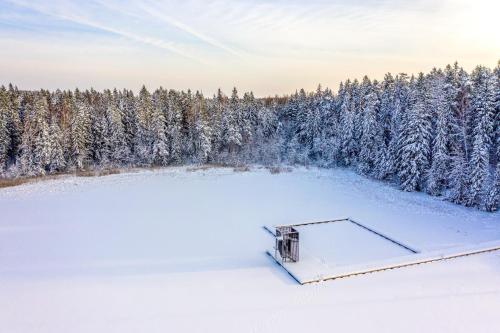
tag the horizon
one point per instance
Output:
(269, 48)
(226, 93)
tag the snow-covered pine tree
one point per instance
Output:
(144, 137)
(441, 156)
(126, 106)
(4, 134)
(493, 195)
(98, 148)
(457, 89)
(215, 110)
(173, 110)
(159, 149)
(34, 155)
(357, 100)
(266, 136)
(493, 199)
(187, 138)
(202, 131)
(79, 134)
(14, 124)
(315, 123)
(347, 141)
(479, 167)
(286, 127)
(414, 140)
(482, 103)
(115, 136)
(400, 111)
(305, 127)
(246, 119)
(296, 142)
(57, 162)
(232, 138)
(370, 137)
(326, 142)
(383, 165)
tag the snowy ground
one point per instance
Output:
(179, 251)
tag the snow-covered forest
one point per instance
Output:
(437, 132)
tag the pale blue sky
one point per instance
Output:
(270, 47)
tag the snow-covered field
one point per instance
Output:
(178, 251)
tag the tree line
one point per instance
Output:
(437, 132)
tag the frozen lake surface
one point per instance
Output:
(183, 251)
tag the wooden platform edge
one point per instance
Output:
(383, 236)
(401, 265)
(286, 270)
(266, 228)
(348, 219)
(314, 222)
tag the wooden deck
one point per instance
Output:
(417, 261)
(414, 258)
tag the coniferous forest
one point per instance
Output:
(438, 132)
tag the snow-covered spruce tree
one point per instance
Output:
(115, 136)
(266, 138)
(347, 141)
(98, 149)
(296, 144)
(79, 134)
(383, 164)
(144, 137)
(216, 108)
(10, 127)
(231, 135)
(458, 92)
(326, 142)
(130, 121)
(14, 124)
(459, 179)
(185, 118)
(171, 104)
(34, 155)
(479, 169)
(357, 101)
(493, 196)
(370, 137)
(402, 96)
(159, 149)
(246, 119)
(286, 127)
(60, 107)
(414, 140)
(202, 131)
(187, 134)
(303, 130)
(482, 102)
(441, 157)
(57, 162)
(315, 125)
(4, 134)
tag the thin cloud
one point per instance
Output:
(184, 27)
(159, 43)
